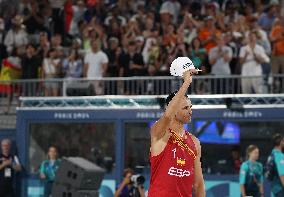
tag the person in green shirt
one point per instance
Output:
(251, 174)
(48, 169)
(277, 184)
(197, 54)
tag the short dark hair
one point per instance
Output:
(30, 45)
(171, 96)
(277, 138)
(50, 51)
(56, 149)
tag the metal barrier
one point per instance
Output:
(217, 101)
(10, 91)
(205, 84)
(202, 84)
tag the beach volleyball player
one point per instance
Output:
(175, 153)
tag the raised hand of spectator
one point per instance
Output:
(242, 24)
(181, 28)
(71, 57)
(186, 18)
(246, 55)
(258, 58)
(99, 30)
(54, 63)
(189, 19)
(86, 32)
(220, 51)
(126, 180)
(220, 20)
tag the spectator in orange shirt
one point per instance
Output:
(170, 37)
(209, 33)
(277, 60)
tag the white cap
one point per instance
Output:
(180, 65)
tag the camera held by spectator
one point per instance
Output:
(131, 185)
(137, 180)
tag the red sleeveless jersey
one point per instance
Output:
(172, 171)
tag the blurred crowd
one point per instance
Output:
(121, 38)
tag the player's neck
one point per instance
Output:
(278, 148)
(177, 127)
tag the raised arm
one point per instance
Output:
(159, 129)
(123, 184)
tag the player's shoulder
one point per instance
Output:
(279, 157)
(164, 120)
(194, 138)
(245, 165)
(45, 163)
(196, 141)
(154, 126)
(278, 154)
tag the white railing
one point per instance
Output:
(10, 91)
(208, 84)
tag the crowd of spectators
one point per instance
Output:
(122, 38)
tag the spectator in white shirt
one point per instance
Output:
(219, 59)
(252, 56)
(17, 36)
(51, 68)
(96, 63)
(262, 37)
